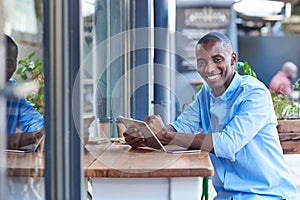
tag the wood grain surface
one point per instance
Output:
(290, 142)
(122, 161)
(119, 160)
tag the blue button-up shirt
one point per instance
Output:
(248, 159)
(20, 114)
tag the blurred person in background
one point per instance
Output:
(281, 82)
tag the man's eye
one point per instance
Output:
(201, 63)
(217, 60)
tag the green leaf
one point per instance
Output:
(24, 77)
(273, 94)
(19, 70)
(20, 62)
(199, 87)
(31, 55)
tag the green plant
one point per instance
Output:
(296, 86)
(280, 103)
(284, 107)
(245, 69)
(33, 70)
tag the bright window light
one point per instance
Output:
(20, 16)
(259, 8)
(88, 7)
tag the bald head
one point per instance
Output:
(11, 56)
(216, 37)
(290, 69)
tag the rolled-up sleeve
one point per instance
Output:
(29, 119)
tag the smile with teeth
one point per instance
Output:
(213, 77)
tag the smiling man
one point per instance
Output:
(215, 62)
(232, 117)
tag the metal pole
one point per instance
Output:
(161, 61)
(61, 65)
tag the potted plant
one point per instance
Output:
(287, 111)
(288, 115)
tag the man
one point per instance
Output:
(281, 82)
(19, 112)
(234, 120)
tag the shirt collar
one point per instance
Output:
(230, 90)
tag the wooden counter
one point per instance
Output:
(117, 160)
(136, 172)
(123, 161)
(114, 166)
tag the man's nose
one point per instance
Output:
(210, 67)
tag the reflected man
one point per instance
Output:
(19, 112)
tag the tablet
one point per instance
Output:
(150, 138)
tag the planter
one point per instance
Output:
(288, 126)
(290, 143)
(289, 136)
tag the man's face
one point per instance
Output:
(215, 65)
(293, 74)
(11, 62)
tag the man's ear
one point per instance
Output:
(233, 58)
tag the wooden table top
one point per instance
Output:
(120, 161)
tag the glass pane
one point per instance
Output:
(104, 57)
(103, 66)
(23, 23)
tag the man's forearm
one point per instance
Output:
(193, 141)
(203, 142)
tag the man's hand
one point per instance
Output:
(166, 136)
(155, 123)
(164, 133)
(134, 137)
